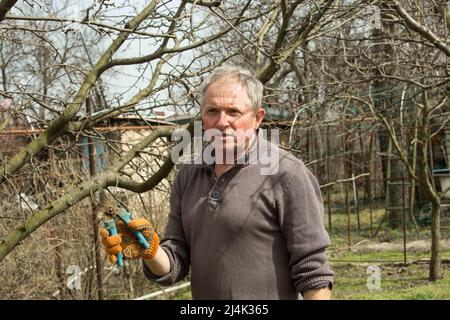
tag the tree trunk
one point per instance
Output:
(426, 177)
(435, 261)
(97, 249)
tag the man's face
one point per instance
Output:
(227, 108)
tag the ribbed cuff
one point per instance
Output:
(316, 283)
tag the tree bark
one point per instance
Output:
(5, 6)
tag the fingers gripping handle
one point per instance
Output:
(110, 225)
(125, 216)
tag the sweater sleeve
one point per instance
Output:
(300, 209)
(174, 241)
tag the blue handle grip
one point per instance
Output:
(110, 225)
(125, 216)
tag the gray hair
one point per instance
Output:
(244, 77)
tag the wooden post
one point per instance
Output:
(355, 197)
(347, 202)
(313, 150)
(375, 168)
(412, 190)
(328, 179)
(368, 183)
(355, 191)
(404, 218)
(388, 178)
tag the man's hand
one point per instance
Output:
(319, 294)
(125, 241)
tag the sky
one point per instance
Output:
(123, 81)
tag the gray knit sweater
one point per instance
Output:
(245, 235)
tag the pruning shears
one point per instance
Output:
(110, 225)
(121, 214)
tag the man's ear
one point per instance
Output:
(260, 113)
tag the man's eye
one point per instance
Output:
(234, 112)
(212, 111)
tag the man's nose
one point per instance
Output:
(223, 121)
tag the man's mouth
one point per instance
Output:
(225, 135)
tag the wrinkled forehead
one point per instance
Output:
(226, 89)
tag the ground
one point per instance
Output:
(397, 280)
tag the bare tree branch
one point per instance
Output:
(59, 125)
(88, 23)
(205, 3)
(281, 52)
(419, 28)
(105, 179)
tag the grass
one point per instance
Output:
(397, 282)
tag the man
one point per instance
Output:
(243, 234)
